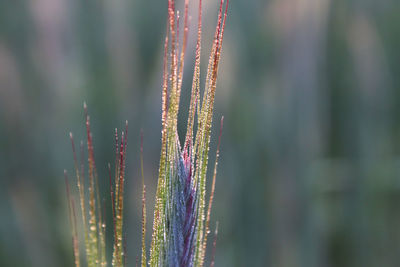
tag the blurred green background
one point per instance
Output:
(309, 173)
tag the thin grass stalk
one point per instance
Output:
(144, 260)
(195, 84)
(210, 202)
(72, 220)
(93, 174)
(214, 246)
(157, 231)
(118, 254)
(93, 257)
(80, 175)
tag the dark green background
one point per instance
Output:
(310, 89)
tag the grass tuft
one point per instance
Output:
(93, 213)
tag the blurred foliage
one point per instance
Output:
(309, 173)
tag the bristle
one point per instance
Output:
(184, 43)
(113, 208)
(81, 185)
(210, 202)
(214, 246)
(100, 221)
(121, 167)
(73, 151)
(126, 138)
(118, 255)
(111, 192)
(103, 222)
(164, 104)
(81, 188)
(195, 83)
(72, 220)
(75, 235)
(174, 96)
(82, 164)
(125, 249)
(68, 196)
(157, 231)
(144, 260)
(116, 164)
(93, 253)
(177, 30)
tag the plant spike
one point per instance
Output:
(179, 232)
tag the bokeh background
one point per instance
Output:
(309, 173)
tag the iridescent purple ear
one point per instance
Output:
(180, 226)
